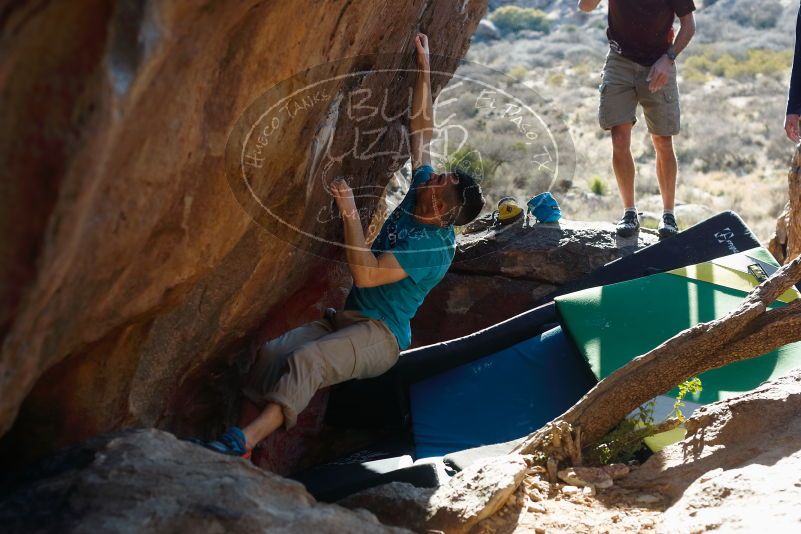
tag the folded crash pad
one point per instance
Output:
(460, 460)
(388, 404)
(720, 235)
(613, 324)
(334, 481)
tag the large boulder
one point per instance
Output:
(486, 31)
(468, 497)
(738, 469)
(130, 276)
(149, 482)
(500, 271)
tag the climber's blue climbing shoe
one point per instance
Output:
(231, 443)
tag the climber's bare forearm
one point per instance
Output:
(359, 256)
(422, 103)
(685, 34)
(367, 269)
(421, 121)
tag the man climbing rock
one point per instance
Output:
(390, 280)
(640, 69)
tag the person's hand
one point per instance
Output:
(343, 196)
(421, 42)
(791, 127)
(660, 74)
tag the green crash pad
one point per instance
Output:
(614, 324)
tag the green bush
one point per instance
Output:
(621, 444)
(598, 186)
(708, 62)
(518, 72)
(471, 161)
(556, 79)
(510, 19)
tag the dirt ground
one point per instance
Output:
(545, 508)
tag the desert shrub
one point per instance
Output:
(468, 159)
(518, 72)
(623, 443)
(708, 62)
(736, 161)
(510, 19)
(585, 68)
(760, 15)
(556, 79)
(598, 186)
(694, 75)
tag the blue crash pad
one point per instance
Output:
(499, 397)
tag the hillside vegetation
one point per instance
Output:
(733, 80)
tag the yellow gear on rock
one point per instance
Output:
(508, 210)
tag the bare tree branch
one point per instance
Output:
(749, 331)
(786, 242)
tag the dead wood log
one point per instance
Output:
(749, 331)
(786, 241)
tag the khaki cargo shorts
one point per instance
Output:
(624, 85)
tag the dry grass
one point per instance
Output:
(732, 151)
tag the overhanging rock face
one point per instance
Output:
(129, 272)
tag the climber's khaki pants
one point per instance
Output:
(289, 369)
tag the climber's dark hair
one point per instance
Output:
(470, 197)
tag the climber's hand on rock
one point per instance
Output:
(791, 127)
(343, 196)
(421, 42)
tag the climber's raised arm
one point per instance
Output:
(422, 114)
(588, 5)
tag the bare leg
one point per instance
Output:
(247, 413)
(623, 163)
(666, 169)
(267, 422)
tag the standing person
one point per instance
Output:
(794, 98)
(640, 69)
(390, 280)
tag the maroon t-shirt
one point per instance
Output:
(642, 30)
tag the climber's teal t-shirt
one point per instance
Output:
(424, 251)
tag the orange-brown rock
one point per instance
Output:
(130, 273)
(738, 465)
